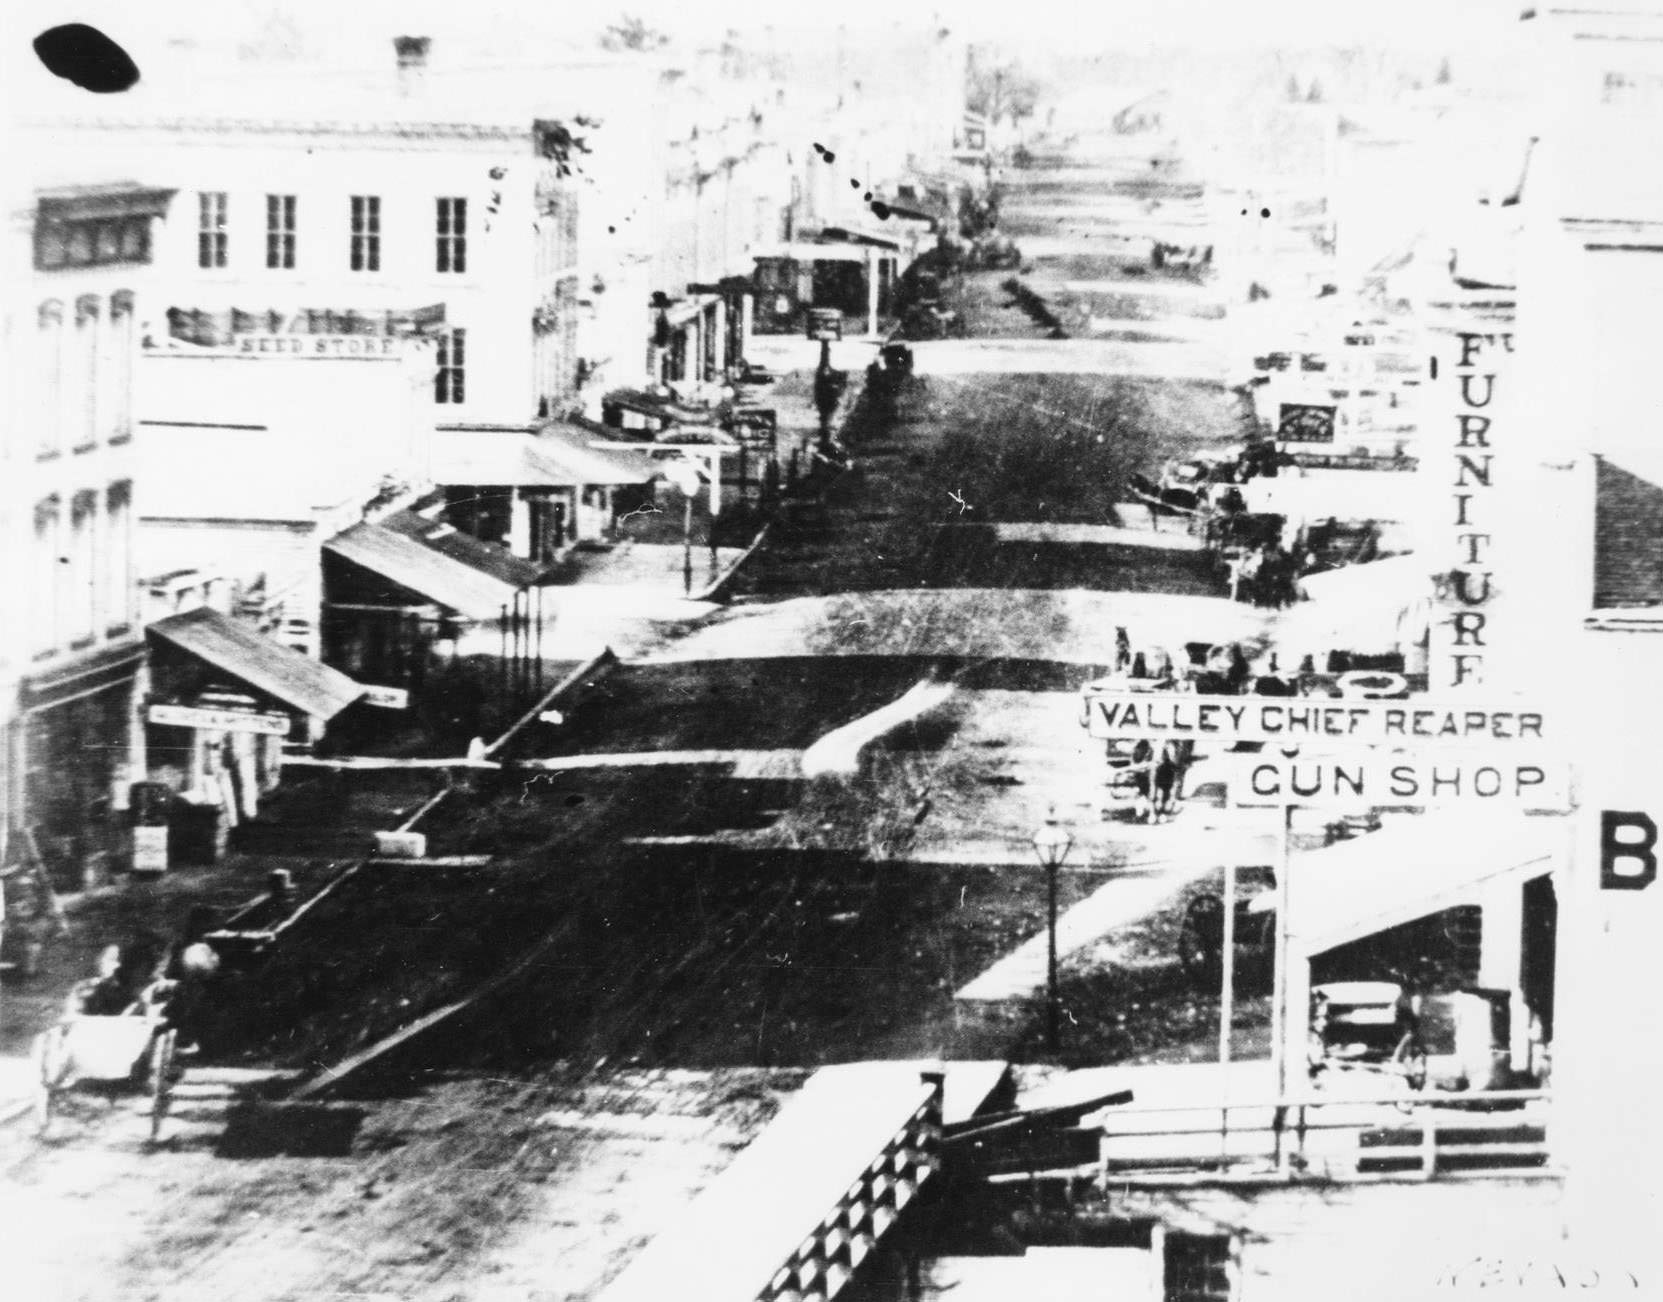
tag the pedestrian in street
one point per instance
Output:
(1122, 650)
(1140, 666)
(1238, 672)
(1166, 783)
(1143, 764)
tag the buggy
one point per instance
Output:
(128, 1053)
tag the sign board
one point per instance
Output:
(388, 698)
(1186, 716)
(239, 331)
(825, 323)
(188, 716)
(317, 345)
(1380, 781)
(1471, 433)
(150, 849)
(1351, 461)
(1302, 422)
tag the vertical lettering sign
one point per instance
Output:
(1472, 375)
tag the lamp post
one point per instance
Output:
(685, 476)
(1052, 843)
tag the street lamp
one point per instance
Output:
(1052, 843)
(685, 476)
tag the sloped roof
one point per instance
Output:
(572, 448)
(464, 548)
(411, 564)
(1413, 867)
(259, 661)
(1628, 535)
(489, 458)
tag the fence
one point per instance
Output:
(1356, 1138)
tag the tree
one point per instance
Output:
(1314, 95)
(1444, 77)
(999, 93)
(1294, 93)
(632, 33)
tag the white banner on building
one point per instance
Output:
(190, 716)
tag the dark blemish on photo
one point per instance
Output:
(824, 153)
(84, 55)
(880, 209)
(1264, 212)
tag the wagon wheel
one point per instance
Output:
(160, 1079)
(1201, 938)
(1410, 1058)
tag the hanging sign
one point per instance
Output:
(190, 716)
(1188, 716)
(1302, 422)
(1384, 781)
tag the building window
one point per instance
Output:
(45, 575)
(280, 231)
(366, 232)
(61, 244)
(210, 231)
(118, 558)
(452, 235)
(448, 379)
(86, 369)
(119, 420)
(1199, 1267)
(81, 582)
(49, 362)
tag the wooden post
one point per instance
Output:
(1226, 1006)
(1281, 1014)
(43, 879)
(539, 638)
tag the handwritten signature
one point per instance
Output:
(1500, 1273)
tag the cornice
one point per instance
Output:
(310, 128)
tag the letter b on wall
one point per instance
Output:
(1627, 851)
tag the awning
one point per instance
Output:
(414, 565)
(1412, 867)
(643, 403)
(572, 448)
(488, 558)
(852, 251)
(1370, 608)
(512, 460)
(261, 662)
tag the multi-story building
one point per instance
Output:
(368, 210)
(72, 650)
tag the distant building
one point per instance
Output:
(352, 213)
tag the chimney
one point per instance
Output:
(412, 62)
